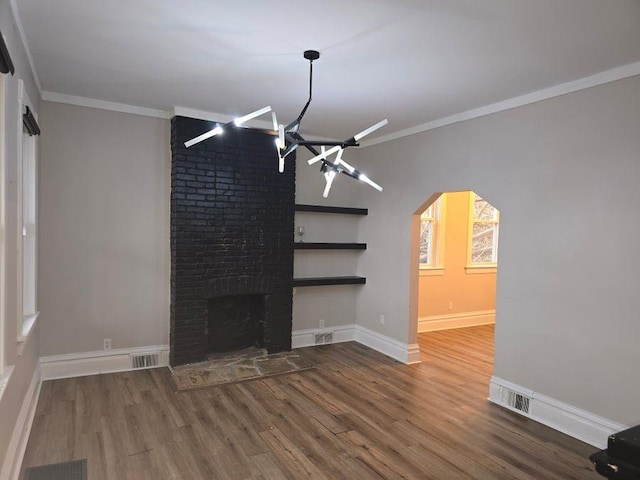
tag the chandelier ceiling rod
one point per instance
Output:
(310, 55)
(293, 127)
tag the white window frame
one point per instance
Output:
(28, 221)
(3, 203)
(436, 267)
(482, 267)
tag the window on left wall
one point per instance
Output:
(28, 197)
(3, 202)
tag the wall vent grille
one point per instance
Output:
(145, 361)
(515, 400)
(323, 338)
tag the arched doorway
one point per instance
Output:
(454, 263)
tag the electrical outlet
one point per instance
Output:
(450, 305)
(107, 344)
(321, 323)
(381, 319)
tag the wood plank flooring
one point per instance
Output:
(358, 415)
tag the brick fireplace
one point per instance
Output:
(232, 222)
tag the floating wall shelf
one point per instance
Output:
(326, 209)
(317, 281)
(329, 246)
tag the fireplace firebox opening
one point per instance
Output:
(235, 322)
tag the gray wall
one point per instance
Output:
(104, 225)
(564, 174)
(24, 362)
(104, 229)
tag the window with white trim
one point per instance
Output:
(485, 223)
(430, 235)
(28, 224)
(3, 203)
(28, 212)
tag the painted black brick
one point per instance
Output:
(232, 217)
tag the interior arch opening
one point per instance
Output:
(454, 269)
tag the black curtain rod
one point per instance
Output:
(6, 65)
(30, 123)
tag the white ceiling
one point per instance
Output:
(411, 61)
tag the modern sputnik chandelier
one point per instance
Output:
(289, 139)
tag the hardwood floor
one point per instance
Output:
(359, 415)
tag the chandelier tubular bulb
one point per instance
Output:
(275, 120)
(281, 136)
(324, 155)
(204, 136)
(329, 176)
(363, 178)
(240, 120)
(371, 129)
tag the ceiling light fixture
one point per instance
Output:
(289, 139)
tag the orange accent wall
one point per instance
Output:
(468, 292)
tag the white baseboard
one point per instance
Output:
(348, 333)
(306, 338)
(573, 421)
(101, 361)
(456, 320)
(20, 437)
(403, 352)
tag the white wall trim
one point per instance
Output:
(348, 333)
(20, 437)
(103, 105)
(403, 352)
(224, 118)
(573, 421)
(97, 362)
(23, 37)
(413, 354)
(3, 209)
(456, 320)
(601, 78)
(219, 117)
(306, 338)
(200, 114)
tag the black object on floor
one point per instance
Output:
(621, 459)
(74, 470)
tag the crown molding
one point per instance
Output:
(224, 118)
(103, 105)
(601, 78)
(216, 117)
(23, 37)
